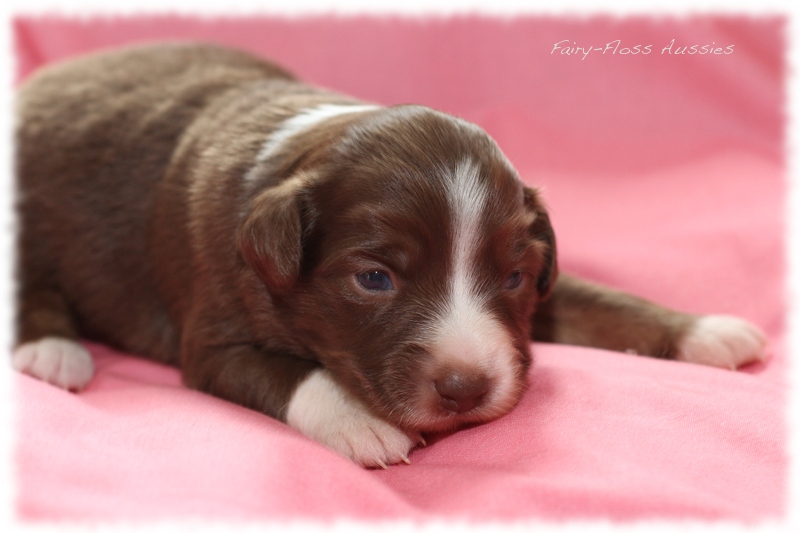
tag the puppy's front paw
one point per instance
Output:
(723, 341)
(324, 411)
(61, 362)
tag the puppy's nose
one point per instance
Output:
(462, 392)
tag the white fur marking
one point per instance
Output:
(467, 197)
(722, 341)
(467, 335)
(305, 120)
(324, 411)
(61, 362)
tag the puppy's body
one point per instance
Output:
(364, 273)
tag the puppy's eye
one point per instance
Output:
(375, 280)
(513, 280)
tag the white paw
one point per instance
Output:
(723, 341)
(324, 411)
(57, 361)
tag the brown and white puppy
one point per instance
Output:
(364, 273)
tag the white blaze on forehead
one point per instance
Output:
(467, 198)
(304, 121)
(467, 334)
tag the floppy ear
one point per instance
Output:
(542, 231)
(270, 238)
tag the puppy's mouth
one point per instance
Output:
(423, 391)
(445, 406)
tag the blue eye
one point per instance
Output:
(375, 280)
(513, 280)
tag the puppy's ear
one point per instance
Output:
(270, 238)
(542, 231)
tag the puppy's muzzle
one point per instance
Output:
(462, 391)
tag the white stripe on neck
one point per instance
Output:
(303, 121)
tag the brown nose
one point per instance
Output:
(462, 392)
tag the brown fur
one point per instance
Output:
(586, 314)
(140, 231)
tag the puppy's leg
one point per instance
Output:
(586, 314)
(302, 394)
(47, 346)
(323, 410)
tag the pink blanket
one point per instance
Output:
(664, 175)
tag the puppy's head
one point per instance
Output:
(409, 257)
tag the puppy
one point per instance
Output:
(364, 273)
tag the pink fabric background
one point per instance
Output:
(664, 175)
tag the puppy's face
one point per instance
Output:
(413, 262)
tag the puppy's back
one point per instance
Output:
(94, 139)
